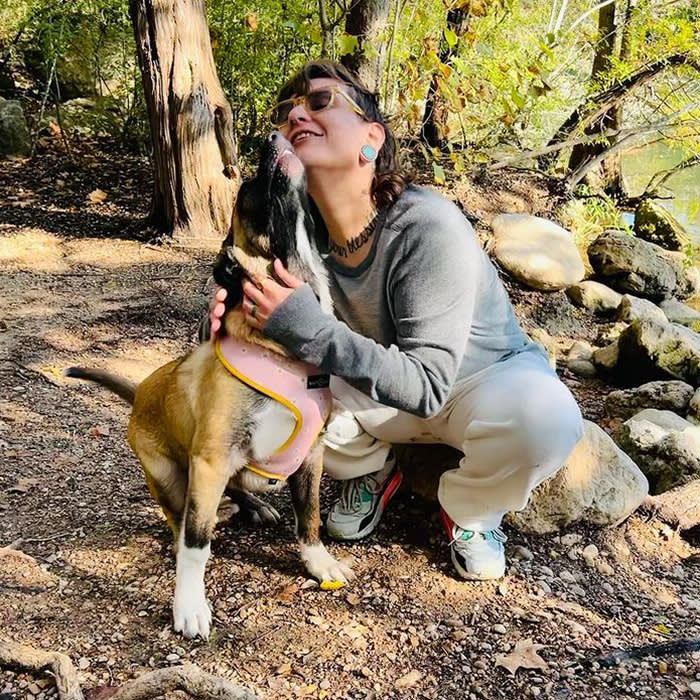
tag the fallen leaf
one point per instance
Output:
(352, 599)
(251, 21)
(410, 679)
(97, 196)
(523, 656)
(286, 595)
(54, 129)
(99, 431)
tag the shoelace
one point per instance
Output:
(351, 496)
(457, 532)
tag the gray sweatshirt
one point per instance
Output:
(424, 310)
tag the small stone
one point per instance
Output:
(590, 553)
(577, 628)
(499, 629)
(172, 657)
(34, 689)
(663, 667)
(694, 688)
(570, 539)
(523, 553)
(544, 586)
(567, 576)
(577, 590)
(605, 568)
(83, 663)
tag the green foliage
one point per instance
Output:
(591, 214)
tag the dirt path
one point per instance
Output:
(91, 572)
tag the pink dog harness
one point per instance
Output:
(298, 386)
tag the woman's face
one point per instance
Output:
(332, 138)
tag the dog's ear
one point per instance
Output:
(229, 274)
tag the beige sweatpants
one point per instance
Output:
(515, 422)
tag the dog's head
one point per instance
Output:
(271, 220)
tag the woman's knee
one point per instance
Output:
(549, 422)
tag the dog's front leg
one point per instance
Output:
(304, 486)
(207, 481)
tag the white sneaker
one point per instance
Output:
(476, 555)
(362, 501)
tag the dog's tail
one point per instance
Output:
(120, 386)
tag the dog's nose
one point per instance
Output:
(274, 137)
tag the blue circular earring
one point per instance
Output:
(368, 153)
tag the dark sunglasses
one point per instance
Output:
(316, 101)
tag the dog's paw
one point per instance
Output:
(254, 509)
(192, 616)
(321, 565)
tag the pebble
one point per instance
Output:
(544, 586)
(605, 568)
(694, 688)
(499, 629)
(567, 576)
(590, 553)
(172, 657)
(663, 667)
(546, 571)
(34, 689)
(577, 590)
(83, 663)
(577, 628)
(524, 553)
(571, 539)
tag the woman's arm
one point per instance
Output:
(432, 287)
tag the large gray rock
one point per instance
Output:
(665, 446)
(536, 251)
(630, 264)
(14, 135)
(637, 309)
(678, 312)
(664, 395)
(694, 408)
(594, 296)
(599, 485)
(654, 223)
(649, 350)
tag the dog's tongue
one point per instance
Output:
(290, 165)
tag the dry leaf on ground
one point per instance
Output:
(410, 679)
(97, 196)
(523, 656)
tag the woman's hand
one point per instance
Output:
(259, 302)
(216, 312)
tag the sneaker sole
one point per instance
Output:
(389, 492)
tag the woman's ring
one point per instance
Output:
(253, 310)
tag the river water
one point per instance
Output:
(639, 165)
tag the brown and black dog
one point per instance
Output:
(194, 426)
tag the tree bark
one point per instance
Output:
(609, 171)
(191, 124)
(366, 20)
(434, 115)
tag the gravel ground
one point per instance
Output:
(89, 568)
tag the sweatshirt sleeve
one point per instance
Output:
(432, 287)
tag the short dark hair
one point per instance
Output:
(390, 179)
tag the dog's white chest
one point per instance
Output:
(273, 427)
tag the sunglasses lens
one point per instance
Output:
(319, 100)
(280, 113)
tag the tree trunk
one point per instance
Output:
(366, 20)
(599, 104)
(194, 152)
(434, 114)
(608, 174)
